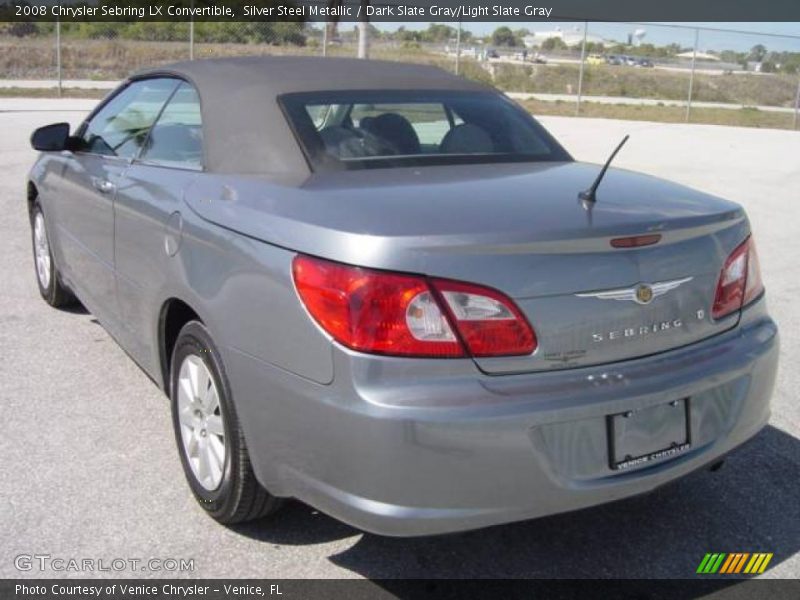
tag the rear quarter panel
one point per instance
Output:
(245, 289)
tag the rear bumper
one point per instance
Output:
(408, 447)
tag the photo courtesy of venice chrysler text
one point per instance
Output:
(332, 299)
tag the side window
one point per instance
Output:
(121, 126)
(177, 138)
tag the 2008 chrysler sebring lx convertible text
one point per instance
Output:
(376, 287)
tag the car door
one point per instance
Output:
(108, 141)
(148, 225)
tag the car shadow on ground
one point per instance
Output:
(76, 308)
(750, 505)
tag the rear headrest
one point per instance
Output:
(394, 129)
(340, 141)
(466, 139)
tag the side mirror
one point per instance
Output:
(51, 138)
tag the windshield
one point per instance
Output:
(362, 129)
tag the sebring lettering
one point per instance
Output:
(642, 330)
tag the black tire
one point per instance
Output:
(238, 497)
(55, 293)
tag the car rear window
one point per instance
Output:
(368, 129)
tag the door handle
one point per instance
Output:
(103, 185)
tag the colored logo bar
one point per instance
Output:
(734, 562)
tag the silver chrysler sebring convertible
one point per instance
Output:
(388, 292)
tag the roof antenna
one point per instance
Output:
(588, 196)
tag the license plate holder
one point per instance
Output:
(638, 437)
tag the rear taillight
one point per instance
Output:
(489, 323)
(407, 315)
(739, 282)
(373, 311)
(754, 285)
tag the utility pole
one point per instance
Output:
(458, 47)
(191, 35)
(691, 77)
(58, 51)
(58, 56)
(363, 31)
(580, 73)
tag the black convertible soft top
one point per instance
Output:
(244, 129)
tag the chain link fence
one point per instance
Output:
(619, 70)
(686, 74)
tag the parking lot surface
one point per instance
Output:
(90, 469)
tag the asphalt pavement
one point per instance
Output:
(90, 469)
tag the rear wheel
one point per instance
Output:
(207, 431)
(47, 276)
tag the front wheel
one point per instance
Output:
(207, 431)
(47, 276)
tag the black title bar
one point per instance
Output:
(398, 10)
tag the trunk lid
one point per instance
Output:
(522, 230)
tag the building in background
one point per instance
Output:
(571, 38)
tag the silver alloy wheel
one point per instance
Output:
(41, 250)
(200, 417)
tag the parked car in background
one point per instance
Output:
(595, 59)
(613, 59)
(644, 62)
(378, 288)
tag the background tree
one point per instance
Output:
(503, 36)
(595, 47)
(758, 52)
(521, 33)
(438, 33)
(554, 43)
(672, 49)
(406, 35)
(767, 66)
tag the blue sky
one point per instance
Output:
(662, 34)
